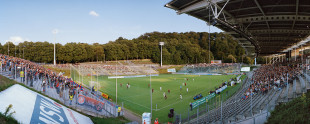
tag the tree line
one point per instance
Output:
(179, 48)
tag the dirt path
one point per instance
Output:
(132, 116)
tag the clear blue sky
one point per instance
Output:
(90, 21)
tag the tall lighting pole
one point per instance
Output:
(55, 31)
(54, 53)
(151, 92)
(116, 81)
(161, 53)
(209, 34)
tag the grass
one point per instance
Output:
(164, 70)
(7, 120)
(296, 111)
(137, 97)
(4, 84)
(58, 70)
(118, 120)
(142, 61)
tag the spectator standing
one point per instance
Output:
(43, 86)
(119, 110)
(57, 88)
(156, 121)
(71, 97)
(61, 90)
(22, 76)
(31, 78)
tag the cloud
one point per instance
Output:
(17, 39)
(93, 13)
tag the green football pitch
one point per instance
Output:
(137, 98)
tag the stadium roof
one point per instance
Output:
(264, 27)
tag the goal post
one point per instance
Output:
(86, 77)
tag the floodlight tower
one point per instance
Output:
(161, 53)
(55, 31)
(54, 53)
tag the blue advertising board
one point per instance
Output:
(48, 112)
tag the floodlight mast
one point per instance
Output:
(161, 53)
(55, 53)
(55, 31)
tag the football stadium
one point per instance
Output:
(233, 61)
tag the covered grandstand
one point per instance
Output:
(267, 28)
(108, 69)
(204, 68)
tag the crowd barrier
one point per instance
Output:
(94, 105)
(203, 100)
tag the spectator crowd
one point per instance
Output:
(211, 68)
(275, 76)
(31, 73)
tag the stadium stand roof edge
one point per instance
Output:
(263, 27)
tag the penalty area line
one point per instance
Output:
(136, 103)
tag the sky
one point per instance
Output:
(90, 21)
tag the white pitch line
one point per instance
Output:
(136, 103)
(167, 106)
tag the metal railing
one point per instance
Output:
(214, 104)
(61, 93)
